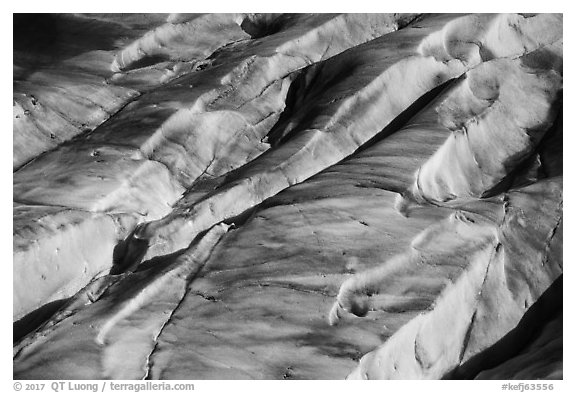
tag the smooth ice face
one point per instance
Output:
(287, 196)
